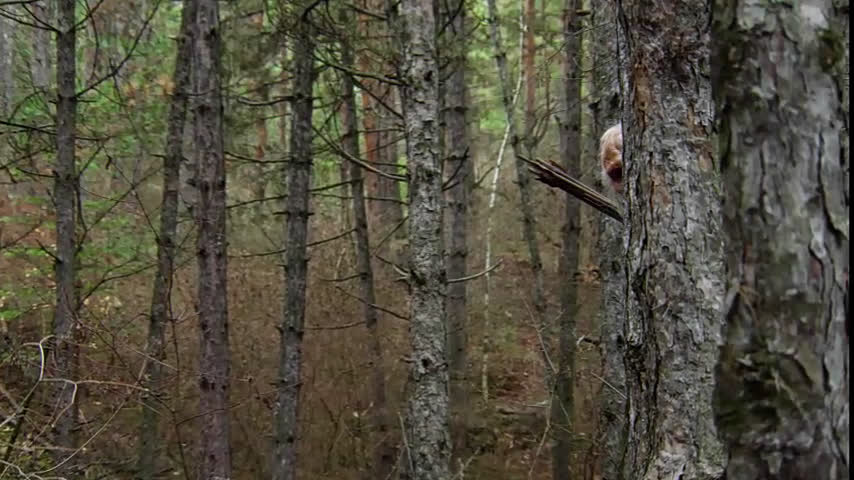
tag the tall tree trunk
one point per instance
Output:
(214, 362)
(160, 299)
(66, 349)
(523, 178)
(40, 64)
(570, 146)
(7, 62)
(428, 438)
(608, 66)
(675, 250)
(458, 172)
(384, 452)
(781, 400)
(298, 171)
(390, 212)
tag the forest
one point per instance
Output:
(424, 239)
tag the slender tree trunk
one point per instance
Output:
(7, 62)
(781, 399)
(66, 349)
(384, 452)
(40, 65)
(149, 435)
(607, 68)
(298, 171)
(214, 363)
(458, 173)
(675, 251)
(428, 439)
(390, 212)
(570, 146)
(522, 175)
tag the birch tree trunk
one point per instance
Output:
(147, 463)
(214, 361)
(298, 172)
(384, 451)
(428, 440)
(570, 150)
(65, 350)
(781, 400)
(675, 249)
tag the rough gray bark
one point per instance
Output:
(781, 400)
(523, 178)
(384, 451)
(65, 351)
(570, 152)
(40, 64)
(675, 249)
(427, 456)
(214, 361)
(161, 296)
(607, 68)
(7, 61)
(298, 172)
(458, 174)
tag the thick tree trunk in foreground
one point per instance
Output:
(675, 250)
(214, 361)
(66, 349)
(781, 400)
(383, 457)
(162, 290)
(298, 171)
(570, 150)
(428, 440)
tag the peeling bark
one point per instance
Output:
(675, 276)
(781, 400)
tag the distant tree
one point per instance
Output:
(570, 152)
(149, 435)
(298, 172)
(211, 254)
(40, 65)
(523, 178)
(428, 445)
(458, 178)
(66, 350)
(608, 69)
(7, 62)
(675, 250)
(782, 394)
(384, 452)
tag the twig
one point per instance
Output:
(555, 176)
